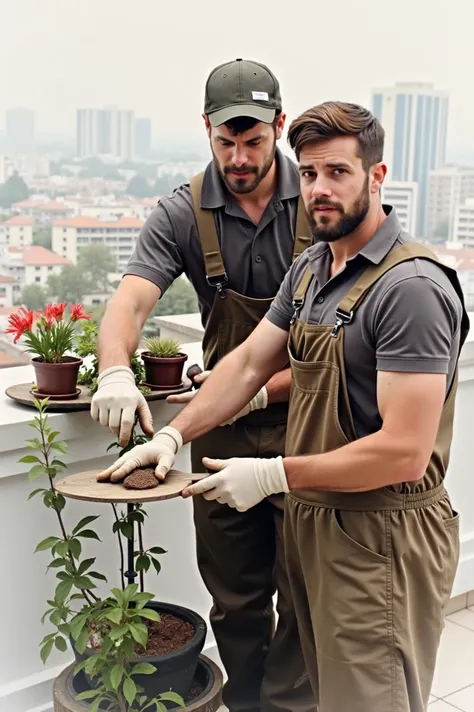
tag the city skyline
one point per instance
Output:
(131, 60)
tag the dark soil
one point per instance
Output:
(65, 359)
(169, 634)
(141, 478)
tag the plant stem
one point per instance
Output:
(140, 545)
(58, 513)
(122, 558)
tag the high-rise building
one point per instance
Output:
(414, 117)
(448, 187)
(143, 137)
(463, 229)
(20, 131)
(404, 198)
(106, 132)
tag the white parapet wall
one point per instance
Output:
(25, 683)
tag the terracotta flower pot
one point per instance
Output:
(57, 379)
(163, 372)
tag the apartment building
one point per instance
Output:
(17, 231)
(68, 236)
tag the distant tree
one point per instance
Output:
(139, 187)
(34, 296)
(69, 285)
(97, 262)
(179, 299)
(13, 190)
(111, 173)
(42, 236)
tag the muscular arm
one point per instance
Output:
(126, 313)
(410, 405)
(234, 381)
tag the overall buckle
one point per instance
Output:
(297, 306)
(218, 283)
(342, 318)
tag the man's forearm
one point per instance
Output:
(371, 462)
(119, 335)
(230, 386)
(279, 386)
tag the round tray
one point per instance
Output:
(22, 393)
(84, 485)
(208, 676)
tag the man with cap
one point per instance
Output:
(234, 231)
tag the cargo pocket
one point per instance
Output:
(451, 560)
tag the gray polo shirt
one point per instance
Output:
(409, 321)
(256, 257)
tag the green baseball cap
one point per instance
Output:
(241, 88)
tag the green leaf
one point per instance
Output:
(61, 644)
(142, 598)
(115, 615)
(126, 529)
(86, 564)
(172, 697)
(116, 676)
(61, 548)
(160, 707)
(46, 650)
(75, 547)
(77, 625)
(48, 499)
(59, 502)
(143, 563)
(99, 577)
(28, 459)
(34, 443)
(56, 617)
(143, 669)
(52, 435)
(118, 632)
(130, 590)
(35, 492)
(89, 534)
(129, 690)
(46, 543)
(118, 595)
(96, 704)
(35, 472)
(57, 563)
(139, 632)
(84, 582)
(157, 565)
(88, 695)
(62, 591)
(58, 464)
(64, 576)
(46, 614)
(82, 640)
(158, 550)
(150, 614)
(60, 447)
(83, 523)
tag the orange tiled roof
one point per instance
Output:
(38, 256)
(19, 220)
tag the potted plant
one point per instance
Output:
(164, 363)
(133, 653)
(49, 335)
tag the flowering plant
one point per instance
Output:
(53, 335)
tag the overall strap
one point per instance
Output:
(355, 297)
(300, 294)
(303, 236)
(215, 270)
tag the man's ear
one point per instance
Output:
(378, 173)
(280, 125)
(207, 124)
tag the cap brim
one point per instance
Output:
(261, 113)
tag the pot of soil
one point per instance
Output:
(163, 363)
(174, 646)
(57, 379)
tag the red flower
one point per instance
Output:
(20, 322)
(54, 312)
(77, 312)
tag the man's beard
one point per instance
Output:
(348, 222)
(245, 185)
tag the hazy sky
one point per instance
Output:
(153, 56)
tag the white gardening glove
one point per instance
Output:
(116, 400)
(258, 402)
(160, 451)
(186, 397)
(242, 482)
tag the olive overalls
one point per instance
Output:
(370, 572)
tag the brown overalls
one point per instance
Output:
(240, 554)
(370, 572)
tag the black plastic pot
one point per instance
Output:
(174, 671)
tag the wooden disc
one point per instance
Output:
(21, 393)
(84, 486)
